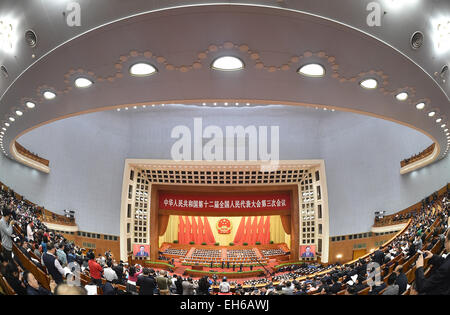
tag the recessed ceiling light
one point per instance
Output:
(49, 95)
(438, 120)
(142, 69)
(431, 114)
(19, 113)
(12, 119)
(443, 125)
(312, 70)
(369, 84)
(4, 129)
(448, 133)
(30, 105)
(227, 63)
(403, 96)
(420, 106)
(7, 124)
(83, 83)
(446, 129)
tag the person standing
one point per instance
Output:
(6, 230)
(163, 283)
(52, 264)
(30, 235)
(95, 269)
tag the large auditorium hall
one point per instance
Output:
(224, 148)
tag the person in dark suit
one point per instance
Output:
(234, 267)
(228, 264)
(439, 281)
(146, 282)
(240, 267)
(223, 264)
(308, 253)
(336, 286)
(401, 280)
(142, 252)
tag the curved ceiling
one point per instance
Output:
(183, 42)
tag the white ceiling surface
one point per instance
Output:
(180, 34)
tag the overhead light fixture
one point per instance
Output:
(420, 106)
(30, 105)
(7, 124)
(118, 109)
(442, 34)
(12, 119)
(83, 83)
(142, 69)
(445, 130)
(19, 113)
(49, 95)
(228, 63)
(369, 84)
(3, 128)
(443, 125)
(438, 120)
(312, 70)
(403, 96)
(7, 37)
(431, 114)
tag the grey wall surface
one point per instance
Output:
(361, 154)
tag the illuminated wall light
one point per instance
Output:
(369, 84)
(420, 106)
(30, 105)
(403, 96)
(49, 95)
(142, 69)
(312, 70)
(83, 83)
(248, 104)
(228, 63)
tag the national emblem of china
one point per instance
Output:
(224, 226)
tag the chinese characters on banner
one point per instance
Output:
(257, 202)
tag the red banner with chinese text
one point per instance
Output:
(276, 201)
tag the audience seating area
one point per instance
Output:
(426, 230)
(30, 155)
(272, 252)
(428, 151)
